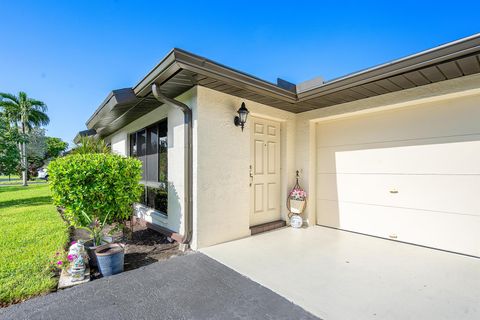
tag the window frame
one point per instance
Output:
(135, 150)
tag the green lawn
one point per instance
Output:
(12, 180)
(31, 232)
(16, 180)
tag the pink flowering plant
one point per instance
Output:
(61, 259)
(72, 257)
(298, 194)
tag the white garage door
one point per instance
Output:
(410, 174)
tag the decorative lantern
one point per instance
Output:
(241, 119)
(296, 203)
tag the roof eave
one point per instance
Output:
(178, 60)
(114, 98)
(84, 133)
(436, 55)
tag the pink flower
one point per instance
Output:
(71, 257)
(298, 194)
(73, 242)
(59, 263)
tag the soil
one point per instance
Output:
(148, 246)
(143, 246)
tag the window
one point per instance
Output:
(150, 146)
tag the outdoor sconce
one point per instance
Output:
(241, 119)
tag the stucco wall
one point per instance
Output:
(119, 141)
(223, 200)
(221, 197)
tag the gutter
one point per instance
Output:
(188, 159)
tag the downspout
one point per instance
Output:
(188, 159)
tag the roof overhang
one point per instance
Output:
(84, 133)
(449, 61)
(180, 70)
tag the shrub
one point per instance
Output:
(101, 185)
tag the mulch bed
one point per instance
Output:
(142, 247)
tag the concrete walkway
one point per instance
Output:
(188, 287)
(342, 275)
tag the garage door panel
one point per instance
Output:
(425, 192)
(458, 233)
(446, 118)
(412, 173)
(452, 155)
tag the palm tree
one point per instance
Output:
(26, 113)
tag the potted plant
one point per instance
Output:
(96, 230)
(102, 253)
(110, 258)
(298, 198)
(296, 202)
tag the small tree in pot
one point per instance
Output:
(95, 189)
(96, 229)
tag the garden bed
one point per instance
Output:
(144, 247)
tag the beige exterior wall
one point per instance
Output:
(223, 200)
(120, 143)
(221, 161)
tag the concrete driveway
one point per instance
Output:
(188, 287)
(341, 275)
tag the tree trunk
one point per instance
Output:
(24, 157)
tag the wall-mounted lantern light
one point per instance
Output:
(241, 119)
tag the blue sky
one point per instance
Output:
(71, 54)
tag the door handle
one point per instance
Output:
(251, 175)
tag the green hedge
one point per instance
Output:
(98, 184)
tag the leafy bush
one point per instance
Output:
(101, 185)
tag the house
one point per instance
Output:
(392, 151)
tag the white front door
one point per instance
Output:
(264, 171)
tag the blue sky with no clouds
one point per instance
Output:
(71, 54)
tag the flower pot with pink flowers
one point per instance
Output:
(296, 203)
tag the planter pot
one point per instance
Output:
(297, 206)
(90, 248)
(110, 258)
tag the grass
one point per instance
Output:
(31, 232)
(14, 180)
